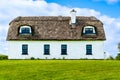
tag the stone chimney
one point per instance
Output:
(73, 18)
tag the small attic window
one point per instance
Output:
(89, 30)
(25, 30)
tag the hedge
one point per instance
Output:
(3, 57)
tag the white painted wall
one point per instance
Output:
(75, 49)
(73, 16)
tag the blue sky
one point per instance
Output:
(106, 7)
(108, 11)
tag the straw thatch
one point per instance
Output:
(55, 28)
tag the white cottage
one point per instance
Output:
(57, 37)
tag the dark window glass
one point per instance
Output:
(88, 49)
(25, 49)
(88, 30)
(25, 31)
(46, 49)
(63, 49)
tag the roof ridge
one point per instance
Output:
(46, 18)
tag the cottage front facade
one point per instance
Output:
(48, 37)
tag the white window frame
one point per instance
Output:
(89, 27)
(20, 31)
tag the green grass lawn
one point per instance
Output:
(59, 70)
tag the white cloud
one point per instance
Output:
(109, 1)
(112, 29)
(112, 1)
(9, 9)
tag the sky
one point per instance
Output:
(108, 11)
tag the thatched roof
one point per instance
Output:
(55, 28)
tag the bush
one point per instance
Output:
(3, 57)
(83, 58)
(46, 58)
(54, 58)
(110, 58)
(63, 58)
(32, 58)
(38, 58)
(118, 56)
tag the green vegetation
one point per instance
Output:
(59, 70)
(110, 58)
(118, 56)
(3, 57)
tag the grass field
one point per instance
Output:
(59, 70)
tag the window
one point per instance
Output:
(46, 49)
(63, 49)
(25, 30)
(88, 49)
(89, 30)
(24, 49)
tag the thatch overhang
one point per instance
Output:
(55, 28)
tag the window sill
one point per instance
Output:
(89, 35)
(88, 54)
(24, 54)
(46, 54)
(63, 54)
(25, 34)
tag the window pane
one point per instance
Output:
(88, 49)
(89, 46)
(63, 49)
(25, 30)
(46, 49)
(88, 30)
(24, 49)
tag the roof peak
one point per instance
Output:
(51, 18)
